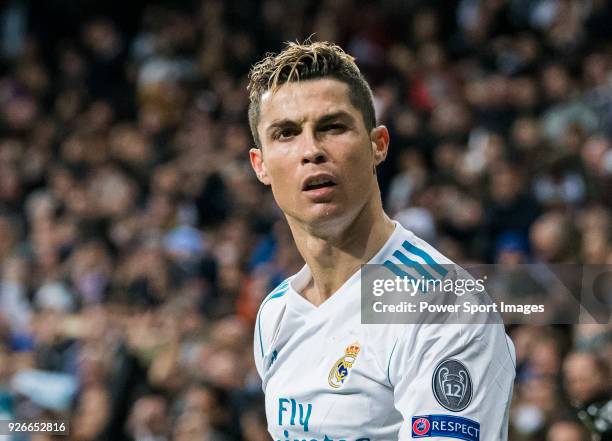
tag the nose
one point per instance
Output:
(312, 151)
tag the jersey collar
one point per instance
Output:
(350, 290)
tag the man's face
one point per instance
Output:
(582, 378)
(316, 153)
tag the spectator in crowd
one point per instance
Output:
(136, 245)
(587, 381)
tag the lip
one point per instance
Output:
(314, 177)
(322, 194)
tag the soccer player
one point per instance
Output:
(326, 376)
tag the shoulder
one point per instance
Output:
(276, 297)
(269, 315)
(274, 302)
(412, 256)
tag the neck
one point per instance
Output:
(334, 254)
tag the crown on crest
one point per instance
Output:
(353, 349)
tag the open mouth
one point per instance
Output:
(316, 183)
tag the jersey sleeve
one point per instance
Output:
(266, 326)
(261, 339)
(453, 381)
(258, 346)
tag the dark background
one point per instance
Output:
(136, 244)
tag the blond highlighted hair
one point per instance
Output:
(308, 61)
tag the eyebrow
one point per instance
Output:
(323, 120)
(281, 123)
(334, 116)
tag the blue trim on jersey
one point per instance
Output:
(426, 257)
(280, 287)
(395, 269)
(277, 292)
(412, 264)
(389, 364)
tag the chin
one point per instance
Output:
(326, 216)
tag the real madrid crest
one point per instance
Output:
(343, 365)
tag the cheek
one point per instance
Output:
(286, 198)
(360, 168)
(281, 173)
(284, 182)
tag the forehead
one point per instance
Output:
(304, 100)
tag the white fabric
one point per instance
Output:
(297, 344)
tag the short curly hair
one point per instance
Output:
(308, 61)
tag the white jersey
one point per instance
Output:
(328, 377)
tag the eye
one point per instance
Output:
(284, 134)
(334, 128)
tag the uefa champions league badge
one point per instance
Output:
(343, 365)
(452, 385)
(445, 426)
(420, 426)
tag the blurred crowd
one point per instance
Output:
(136, 244)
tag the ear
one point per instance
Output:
(257, 162)
(380, 143)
